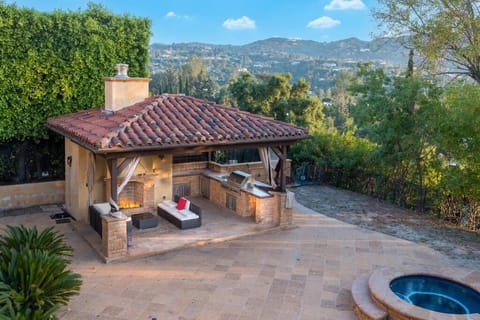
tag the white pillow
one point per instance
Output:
(187, 206)
(103, 208)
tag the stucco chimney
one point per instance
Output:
(122, 91)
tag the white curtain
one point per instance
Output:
(90, 176)
(267, 163)
(129, 170)
(263, 152)
(129, 166)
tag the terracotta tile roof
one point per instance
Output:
(167, 121)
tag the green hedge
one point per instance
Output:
(53, 63)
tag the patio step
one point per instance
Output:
(363, 305)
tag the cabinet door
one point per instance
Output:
(231, 202)
(205, 187)
(181, 189)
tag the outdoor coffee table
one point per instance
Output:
(144, 220)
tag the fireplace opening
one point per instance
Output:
(131, 196)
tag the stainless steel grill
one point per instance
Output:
(238, 180)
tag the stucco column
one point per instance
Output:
(76, 189)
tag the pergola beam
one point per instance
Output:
(185, 149)
(124, 164)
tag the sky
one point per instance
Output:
(237, 21)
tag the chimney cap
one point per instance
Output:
(122, 70)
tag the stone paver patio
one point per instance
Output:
(218, 224)
(301, 273)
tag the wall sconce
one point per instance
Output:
(69, 161)
(161, 157)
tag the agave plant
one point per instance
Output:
(34, 280)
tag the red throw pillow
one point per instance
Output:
(181, 203)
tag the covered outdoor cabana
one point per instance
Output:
(135, 137)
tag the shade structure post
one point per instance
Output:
(281, 152)
(112, 167)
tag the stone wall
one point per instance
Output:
(245, 202)
(256, 169)
(189, 166)
(155, 173)
(114, 236)
(265, 211)
(31, 194)
(148, 202)
(193, 180)
(284, 214)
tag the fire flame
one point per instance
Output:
(124, 203)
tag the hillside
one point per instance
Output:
(318, 62)
(382, 50)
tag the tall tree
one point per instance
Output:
(53, 63)
(171, 80)
(191, 79)
(247, 93)
(273, 95)
(458, 134)
(447, 30)
(393, 113)
(410, 64)
(342, 99)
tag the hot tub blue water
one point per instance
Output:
(437, 294)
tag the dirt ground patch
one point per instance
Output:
(373, 214)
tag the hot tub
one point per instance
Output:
(433, 293)
(437, 294)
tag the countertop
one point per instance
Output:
(222, 178)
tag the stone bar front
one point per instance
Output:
(114, 236)
(264, 207)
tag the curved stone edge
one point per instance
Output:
(364, 307)
(396, 308)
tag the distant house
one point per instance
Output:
(327, 102)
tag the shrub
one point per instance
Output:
(34, 280)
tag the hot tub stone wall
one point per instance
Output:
(374, 300)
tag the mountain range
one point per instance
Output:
(318, 62)
(388, 50)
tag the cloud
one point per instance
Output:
(174, 15)
(345, 5)
(323, 23)
(242, 23)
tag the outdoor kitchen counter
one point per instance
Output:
(222, 178)
(262, 206)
